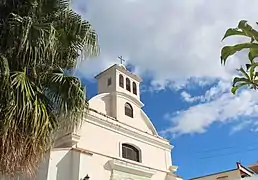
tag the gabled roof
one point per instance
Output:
(254, 167)
(244, 169)
(240, 167)
(214, 173)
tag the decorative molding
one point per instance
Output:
(117, 67)
(244, 169)
(171, 176)
(173, 168)
(69, 139)
(83, 151)
(131, 168)
(135, 100)
(119, 175)
(120, 159)
(114, 119)
(149, 123)
(118, 128)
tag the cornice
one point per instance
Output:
(130, 168)
(109, 118)
(117, 127)
(68, 139)
(135, 100)
(83, 151)
(117, 67)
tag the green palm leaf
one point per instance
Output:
(66, 95)
(38, 39)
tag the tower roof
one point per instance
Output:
(121, 68)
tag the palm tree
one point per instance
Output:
(39, 41)
(248, 75)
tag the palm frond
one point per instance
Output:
(27, 122)
(4, 72)
(36, 38)
(67, 97)
(77, 32)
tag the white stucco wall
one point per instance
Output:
(101, 140)
(104, 141)
(114, 73)
(103, 86)
(113, 105)
(65, 164)
(137, 115)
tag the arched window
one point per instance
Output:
(134, 88)
(128, 84)
(128, 110)
(121, 81)
(130, 152)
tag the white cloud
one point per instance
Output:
(178, 44)
(211, 94)
(174, 40)
(216, 105)
(188, 98)
(240, 126)
(220, 106)
(255, 126)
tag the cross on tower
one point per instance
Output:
(121, 59)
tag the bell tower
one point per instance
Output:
(118, 79)
(123, 88)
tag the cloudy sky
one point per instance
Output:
(175, 46)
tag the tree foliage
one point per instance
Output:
(39, 40)
(248, 74)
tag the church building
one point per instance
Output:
(116, 141)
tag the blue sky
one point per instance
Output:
(175, 47)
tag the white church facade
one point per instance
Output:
(117, 140)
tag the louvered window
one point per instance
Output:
(130, 152)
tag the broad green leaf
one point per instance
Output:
(242, 24)
(232, 32)
(250, 74)
(239, 79)
(237, 87)
(253, 53)
(248, 30)
(230, 50)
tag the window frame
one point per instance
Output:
(134, 88)
(137, 157)
(121, 81)
(128, 84)
(128, 110)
